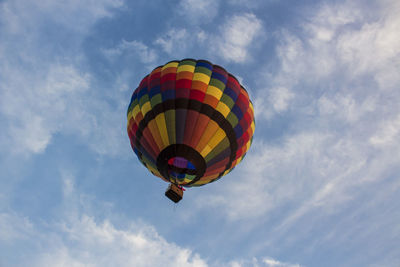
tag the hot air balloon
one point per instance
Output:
(190, 123)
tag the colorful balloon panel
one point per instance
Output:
(190, 122)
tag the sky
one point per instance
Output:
(320, 185)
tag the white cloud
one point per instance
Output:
(344, 52)
(269, 186)
(126, 48)
(277, 101)
(373, 49)
(102, 244)
(251, 4)
(14, 227)
(202, 12)
(274, 263)
(301, 61)
(338, 142)
(341, 36)
(266, 262)
(37, 107)
(233, 40)
(291, 187)
(44, 88)
(26, 17)
(324, 24)
(174, 41)
(81, 241)
(33, 136)
(280, 98)
(342, 140)
(387, 134)
(74, 237)
(345, 108)
(237, 36)
(65, 80)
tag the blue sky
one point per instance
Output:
(319, 187)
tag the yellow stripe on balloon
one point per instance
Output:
(188, 68)
(156, 135)
(205, 151)
(135, 111)
(198, 76)
(251, 107)
(226, 171)
(203, 182)
(223, 109)
(146, 108)
(186, 181)
(170, 65)
(217, 138)
(248, 145)
(207, 179)
(238, 160)
(162, 127)
(214, 91)
(155, 171)
(130, 115)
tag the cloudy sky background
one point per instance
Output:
(319, 187)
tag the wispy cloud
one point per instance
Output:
(102, 244)
(127, 48)
(27, 17)
(387, 134)
(275, 263)
(340, 135)
(347, 107)
(14, 227)
(196, 12)
(231, 41)
(76, 237)
(174, 40)
(270, 186)
(321, 176)
(265, 262)
(35, 105)
(274, 101)
(338, 40)
(236, 37)
(45, 89)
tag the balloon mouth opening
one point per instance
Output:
(181, 168)
(181, 164)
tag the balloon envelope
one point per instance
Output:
(190, 122)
